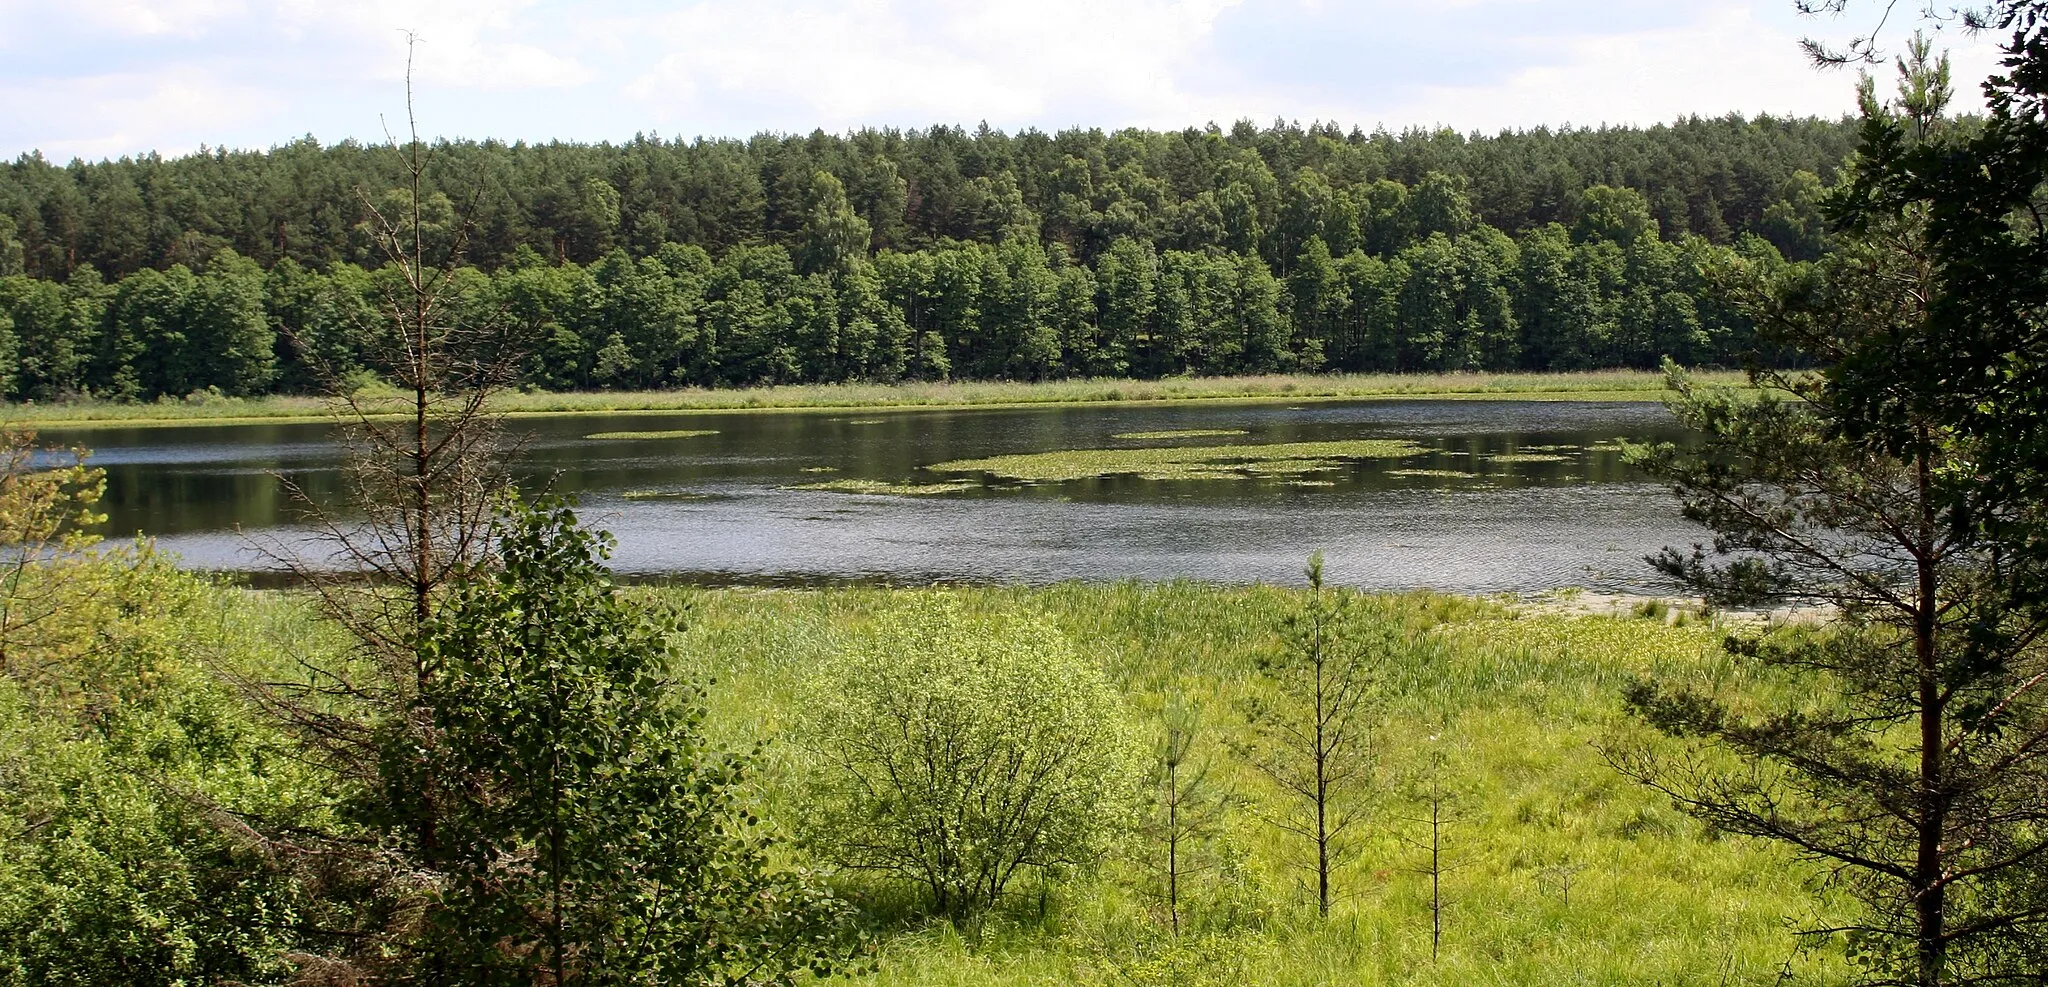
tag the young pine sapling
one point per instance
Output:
(1314, 733)
(1186, 807)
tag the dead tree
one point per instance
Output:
(416, 515)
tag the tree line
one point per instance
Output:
(886, 255)
(1248, 190)
(1443, 292)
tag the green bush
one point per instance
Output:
(587, 833)
(954, 749)
(126, 769)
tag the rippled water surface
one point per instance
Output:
(1500, 496)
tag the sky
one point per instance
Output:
(107, 78)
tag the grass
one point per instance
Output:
(675, 433)
(1561, 872)
(1184, 462)
(1598, 385)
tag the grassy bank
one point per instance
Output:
(1560, 871)
(1600, 385)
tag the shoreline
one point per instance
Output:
(1560, 601)
(1603, 385)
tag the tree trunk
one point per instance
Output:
(1929, 891)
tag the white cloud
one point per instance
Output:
(1726, 61)
(461, 43)
(188, 18)
(878, 61)
(126, 114)
(123, 76)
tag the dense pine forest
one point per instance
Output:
(889, 255)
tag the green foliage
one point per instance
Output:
(1911, 767)
(126, 769)
(586, 833)
(954, 749)
(1566, 874)
(1976, 364)
(1617, 215)
(884, 256)
(50, 605)
(125, 764)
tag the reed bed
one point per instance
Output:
(1593, 385)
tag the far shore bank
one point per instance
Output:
(1599, 385)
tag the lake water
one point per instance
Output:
(1502, 496)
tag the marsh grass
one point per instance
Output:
(1184, 462)
(1561, 871)
(1595, 385)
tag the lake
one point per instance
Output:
(1467, 496)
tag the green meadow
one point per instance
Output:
(1555, 870)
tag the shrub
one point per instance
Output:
(953, 750)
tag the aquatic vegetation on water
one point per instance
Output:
(676, 433)
(1185, 462)
(667, 495)
(820, 469)
(1181, 433)
(1438, 474)
(1526, 457)
(882, 488)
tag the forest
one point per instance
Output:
(886, 255)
